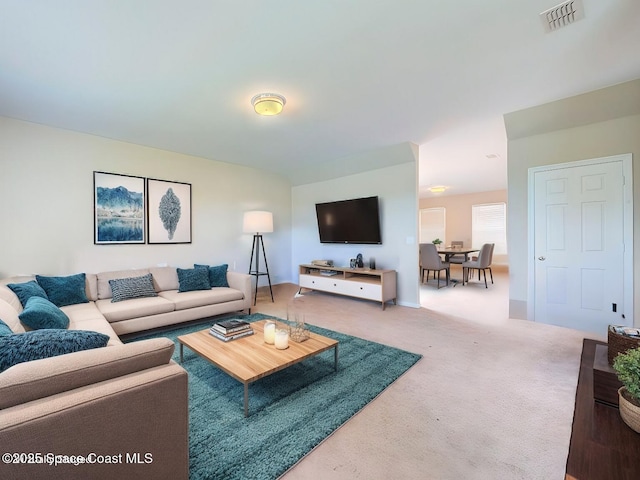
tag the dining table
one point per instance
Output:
(449, 252)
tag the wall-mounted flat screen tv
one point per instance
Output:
(349, 221)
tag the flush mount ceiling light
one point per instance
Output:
(438, 189)
(268, 103)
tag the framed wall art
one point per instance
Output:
(119, 209)
(168, 211)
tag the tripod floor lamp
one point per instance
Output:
(258, 222)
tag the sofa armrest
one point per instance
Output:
(242, 282)
(36, 379)
(138, 424)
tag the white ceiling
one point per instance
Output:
(358, 75)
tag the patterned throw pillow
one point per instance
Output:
(63, 291)
(41, 313)
(133, 287)
(26, 290)
(217, 274)
(24, 347)
(191, 279)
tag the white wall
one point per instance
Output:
(594, 140)
(396, 187)
(46, 205)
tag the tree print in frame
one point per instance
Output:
(168, 211)
(119, 208)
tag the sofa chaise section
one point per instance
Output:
(126, 402)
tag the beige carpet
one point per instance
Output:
(492, 398)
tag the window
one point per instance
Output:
(489, 225)
(432, 224)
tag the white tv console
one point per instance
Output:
(378, 285)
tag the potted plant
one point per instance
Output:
(628, 367)
(437, 243)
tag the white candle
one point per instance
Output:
(269, 332)
(282, 339)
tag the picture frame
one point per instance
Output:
(168, 211)
(118, 209)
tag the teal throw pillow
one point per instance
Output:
(41, 313)
(217, 274)
(132, 287)
(63, 291)
(191, 279)
(26, 290)
(24, 347)
(5, 329)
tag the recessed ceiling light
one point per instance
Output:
(438, 189)
(268, 103)
(492, 155)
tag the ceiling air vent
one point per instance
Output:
(562, 15)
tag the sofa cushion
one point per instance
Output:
(192, 279)
(24, 347)
(9, 315)
(92, 286)
(217, 274)
(104, 289)
(26, 290)
(41, 313)
(165, 278)
(185, 300)
(5, 329)
(132, 287)
(134, 308)
(65, 290)
(86, 316)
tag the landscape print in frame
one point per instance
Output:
(168, 211)
(119, 208)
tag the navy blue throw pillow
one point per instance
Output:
(24, 347)
(41, 313)
(26, 290)
(63, 291)
(191, 279)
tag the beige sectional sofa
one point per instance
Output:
(123, 409)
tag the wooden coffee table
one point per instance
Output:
(248, 359)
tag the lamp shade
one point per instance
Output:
(257, 221)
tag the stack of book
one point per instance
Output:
(232, 329)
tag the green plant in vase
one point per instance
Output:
(437, 242)
(627, 365)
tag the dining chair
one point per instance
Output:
(482, 263)
(457, 259)
(430, 261)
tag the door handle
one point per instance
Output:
(542, 258)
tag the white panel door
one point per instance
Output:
(579, 246)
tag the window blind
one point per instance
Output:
(432, 224)
(489, 225)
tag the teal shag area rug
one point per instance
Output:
(290, 412)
